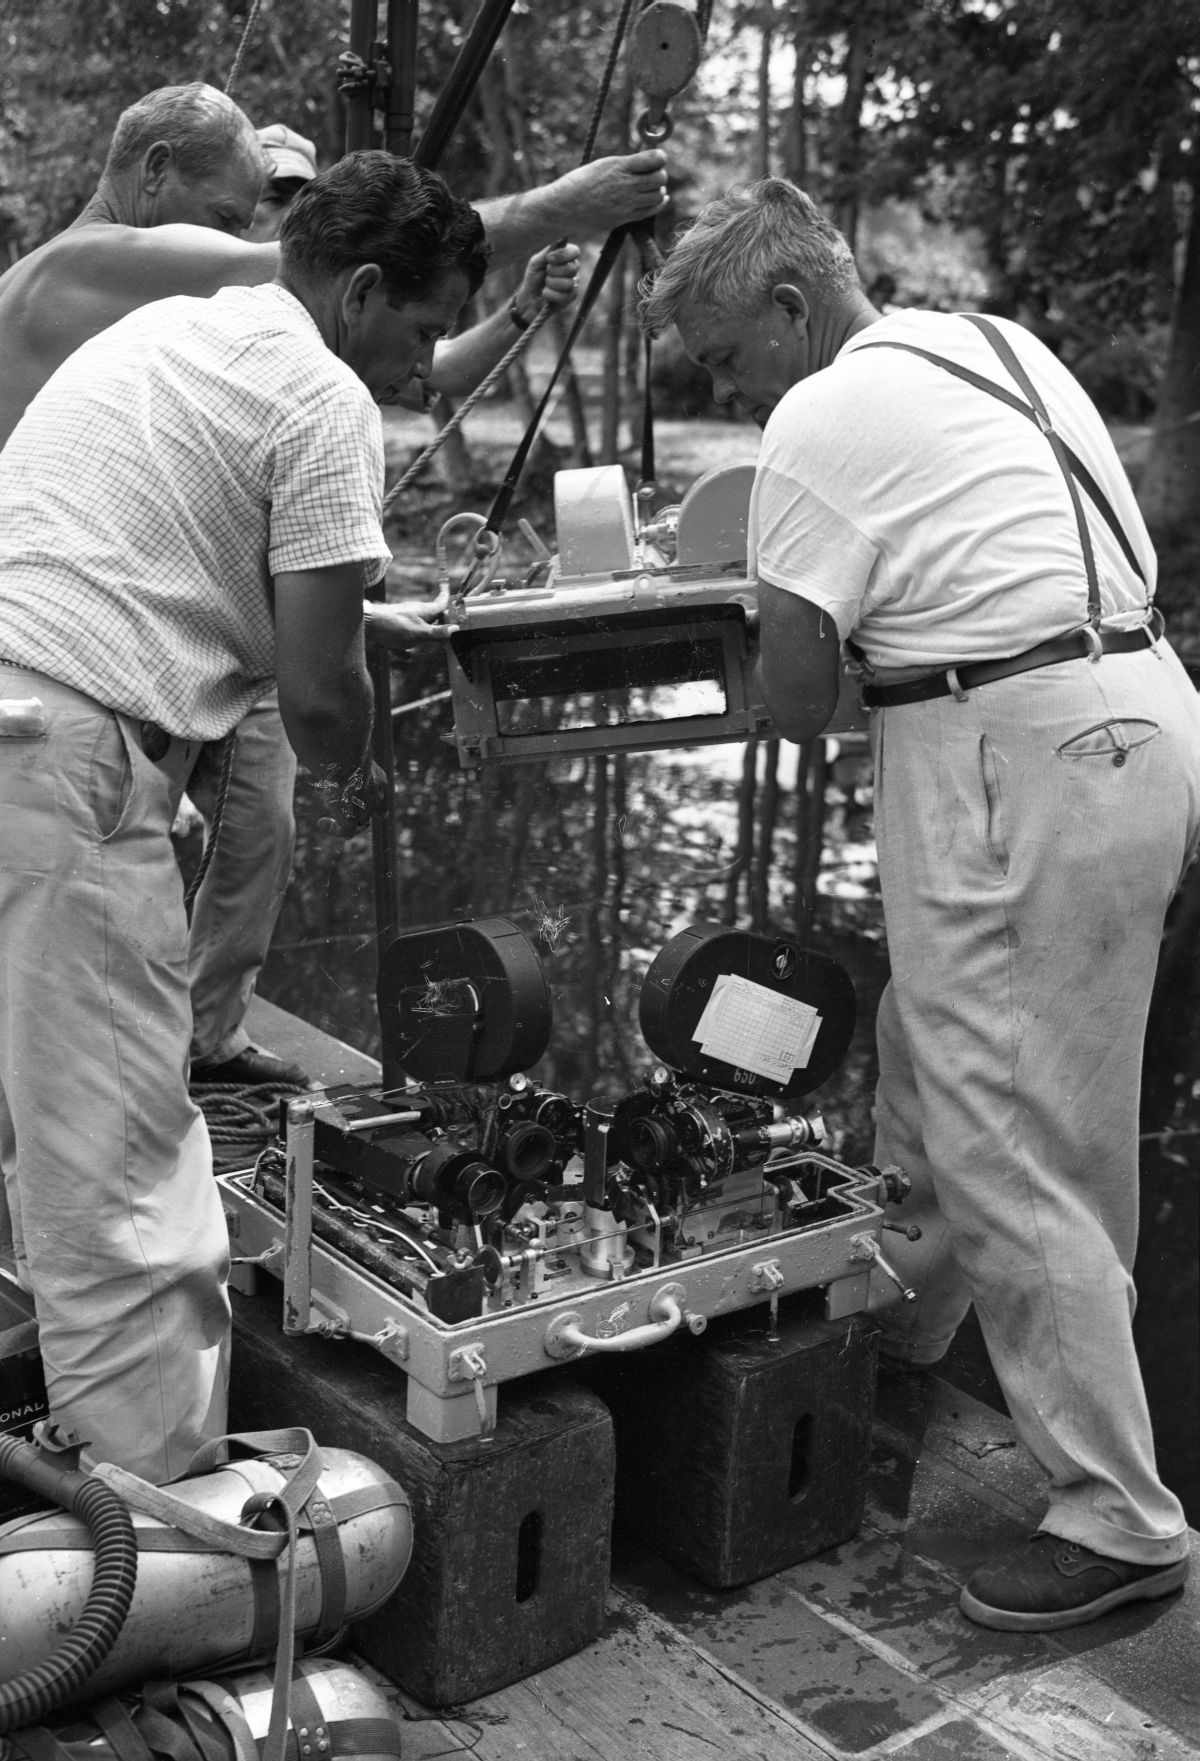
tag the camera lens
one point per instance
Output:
(528, 1150)
(651, 1143)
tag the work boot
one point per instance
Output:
(1052, 1583)
(253, 1068)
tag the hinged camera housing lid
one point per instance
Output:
(679, 987)
(465, 1003)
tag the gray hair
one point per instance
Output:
(199, 124)
(740, 247)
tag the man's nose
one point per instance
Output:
(423, 365)
(724, 390)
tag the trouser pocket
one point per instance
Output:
(1114, 739)
(111, 782)
(994, 828)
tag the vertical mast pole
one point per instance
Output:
(360, 135)
(402, 56)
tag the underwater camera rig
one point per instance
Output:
(475, 1226)
(629, 639)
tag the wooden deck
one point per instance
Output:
(860, 1652)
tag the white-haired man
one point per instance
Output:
(937, 491)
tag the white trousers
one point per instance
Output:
(1030, 839)
(108, 1207)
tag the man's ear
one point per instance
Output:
(361, 284)
(156, 162)
(788, 296)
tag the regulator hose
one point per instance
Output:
(30, 1697)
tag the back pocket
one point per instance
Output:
(1114, 739)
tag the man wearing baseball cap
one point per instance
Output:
(292, 162)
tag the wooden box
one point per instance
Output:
(510, 1564)
(738, 1456)
(22, 1388)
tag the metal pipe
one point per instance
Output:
(402, 18)
(456, 94)
(360, 109)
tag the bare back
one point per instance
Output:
(79, 283)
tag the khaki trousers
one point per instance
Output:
(235, 911)
(113, 1216)
(1030, 839)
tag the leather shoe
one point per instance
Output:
(253, 1068)
(1052, 1583)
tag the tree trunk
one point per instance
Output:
(457, 464)
(812, 773)
(795, 140)
(525, 173)
(596, 1013)
(529, 788)
(856, 66)
(745, 831)
(760, 902)
(610, 408)
(1170, 488)
(573, 397)
(616, 936)
(763, 144)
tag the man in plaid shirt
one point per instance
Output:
(189, 511)
(183, 172)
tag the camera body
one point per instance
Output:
(475, 1224)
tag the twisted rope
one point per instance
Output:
(241, 1117)
(235, 70)
(464, 409)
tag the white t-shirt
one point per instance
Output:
(930, 520)
(159, 480)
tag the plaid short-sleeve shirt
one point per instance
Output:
(159, 480)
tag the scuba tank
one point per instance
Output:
(214, 1586)
(335, 1712)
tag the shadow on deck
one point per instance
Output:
(860, 1652)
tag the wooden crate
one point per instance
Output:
(510, 1563)
(738, 1456)
(22, 1389)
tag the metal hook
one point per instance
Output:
(654, 131)
(489, 551)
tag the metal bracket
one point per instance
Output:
(766, 1277)
(297, 1233)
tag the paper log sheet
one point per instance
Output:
(757, 1029)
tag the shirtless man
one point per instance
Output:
(180, 185)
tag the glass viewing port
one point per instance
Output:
(677, 680)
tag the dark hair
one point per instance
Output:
(373, 208)
(199, 124)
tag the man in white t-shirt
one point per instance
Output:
(938, 493)
(189, 514)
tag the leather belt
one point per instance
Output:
(956, 681)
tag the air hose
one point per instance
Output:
(30, 1697)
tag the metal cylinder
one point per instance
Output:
(193, 1609)
(604, 1248)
